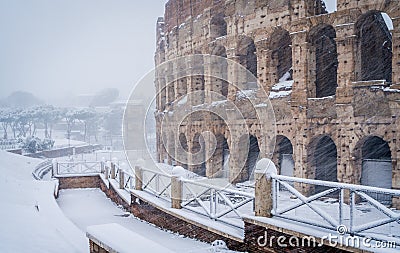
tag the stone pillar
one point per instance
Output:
(176, 192)
(106, 171)
(396, 53)
(263, 202)
(112, 170)
(263, 195)
(121, 176)
(300, 52)
(214, 162)
(232, 73)
(138, 178)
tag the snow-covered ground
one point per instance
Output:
(30, 218)
(88, 207)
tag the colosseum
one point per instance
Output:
(333, 80)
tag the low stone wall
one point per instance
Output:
(69, 182)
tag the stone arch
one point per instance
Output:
(374, 165)
(250, 156)
(324, 61)
(373, 48)
(281, 55)
(183, 142)
(283, 156)
(322, 159)
(247, 55)
(197, 148)
(220, 159)
(218, 26)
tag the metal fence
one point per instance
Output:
(79, 167)
(217, 203)
(347, 208)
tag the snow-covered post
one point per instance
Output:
(263, 202)
(176, 187)
(112, 170)
(55, 167)
(138, 178)
(106, 171)
(121, 176)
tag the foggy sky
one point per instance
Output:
(56, 48)
(60, 47)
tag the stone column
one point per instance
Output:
(300, 52)
(263, 188)
(396, 53)
(138, 178)
(112, 170)
(121, 176)
(176, 192)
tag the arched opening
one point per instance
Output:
(325, 161)
(247, 56)
(180, 155)
(284, 151)
(220, 158)
(377, 166)
(374, 47)
(281, 55)
(220, 68)
(199, 167)
(324, 60)
(251, 159)
(218, 27)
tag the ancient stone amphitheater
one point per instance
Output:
(332, 78)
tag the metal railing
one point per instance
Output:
(42, 169)
(362, 216)
(79, 167)
(9, 144)
(157, 183)
(217, 203)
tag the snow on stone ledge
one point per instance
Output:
(244, 94)
(279, 94)
(114, 237)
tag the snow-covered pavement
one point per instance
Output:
(30, 218)
(87, 207)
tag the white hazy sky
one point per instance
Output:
(56, 48)
(60, 47)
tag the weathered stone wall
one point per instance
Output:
(357, 110)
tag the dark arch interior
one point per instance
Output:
(218, 26)
(252, 157)
(325, 160)
(198, 143)
(326, 62)
(376, 148)
(375, 46)
(251, 58)
(281, 53)
(284, 149)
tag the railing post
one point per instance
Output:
(263, 188)
(106, 171)
(138, 178)
(121, 179)
(176, 192)
(112, 170)
(55, 167)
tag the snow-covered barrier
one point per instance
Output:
(115, 238)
